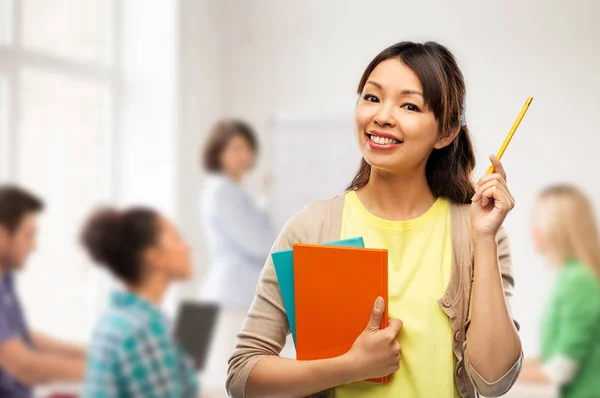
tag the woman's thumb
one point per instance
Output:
(376, 314)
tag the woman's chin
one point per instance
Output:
(383, 163)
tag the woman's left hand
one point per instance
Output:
(491, 203)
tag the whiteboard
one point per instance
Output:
(315, 157)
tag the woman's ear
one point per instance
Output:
(447, 139)
(152, 257)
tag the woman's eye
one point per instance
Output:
(370, 98)
(411, 107)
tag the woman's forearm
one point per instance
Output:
(493, 341)
(273, 376)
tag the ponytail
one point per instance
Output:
(362, 176)
(116, 240)
(449, 170)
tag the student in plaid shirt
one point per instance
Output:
(132, 352)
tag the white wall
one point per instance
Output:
(172, 54)
(146, 151)
(148, 118)
(200, 97)
(308, 57)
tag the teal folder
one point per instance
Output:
(283, 261)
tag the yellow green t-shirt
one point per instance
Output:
(419, 265)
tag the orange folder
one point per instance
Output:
(335, 290)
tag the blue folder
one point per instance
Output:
(283, 261)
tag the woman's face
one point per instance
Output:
(238, 157)
(396, 132)
(171, 255)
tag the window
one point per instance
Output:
(60, 155)
(57, 89)
(64, 28)
(4, 141)
(6, 12)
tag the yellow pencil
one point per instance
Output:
(511, 132)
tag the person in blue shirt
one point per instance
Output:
(27, 358)
(132, 351)
(237, 227)
(238, 232)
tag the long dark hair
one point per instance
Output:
(449, 169)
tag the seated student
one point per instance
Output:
(26, 358)
(565, 232)
(132, 352)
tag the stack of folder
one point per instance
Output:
(328, 292)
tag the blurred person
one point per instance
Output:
(27, 359)
(237, 227)
(132, 351)
(239, 234)
(565, 232)
(451, 332)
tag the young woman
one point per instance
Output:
(449, 262)
(565, 232)
(132, 351)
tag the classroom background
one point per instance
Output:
(107, 101)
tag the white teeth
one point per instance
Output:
(383, 140)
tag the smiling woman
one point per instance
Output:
(400, 91)
(451, 332)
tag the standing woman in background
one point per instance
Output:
(238, 231)
(449, 264)
(565, 232)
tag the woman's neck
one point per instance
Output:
(397, 197)
(236, 178)
(556, 259)
(152, 289)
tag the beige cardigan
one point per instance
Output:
(265, 328)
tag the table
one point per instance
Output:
(520, 390)
(523, 390)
